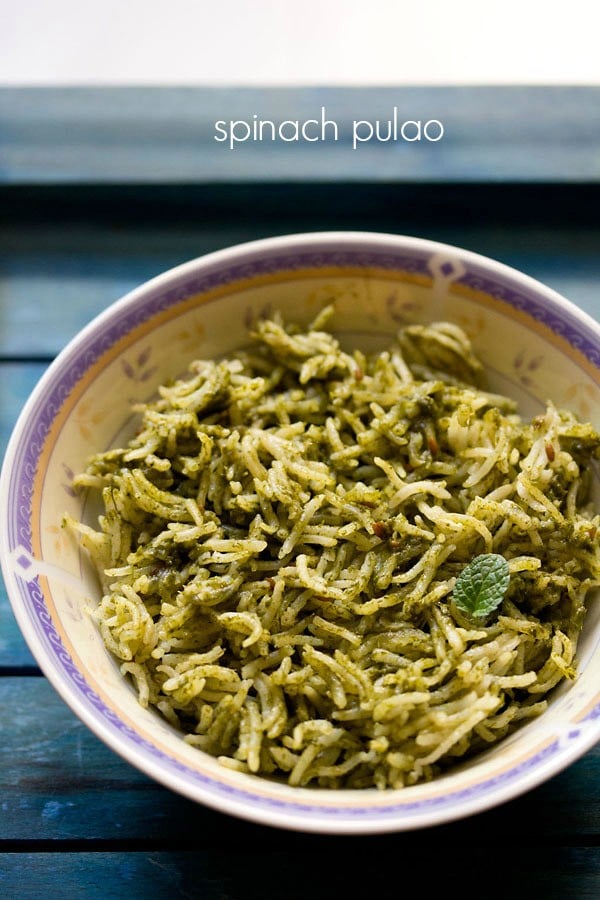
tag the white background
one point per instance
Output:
(298, 42)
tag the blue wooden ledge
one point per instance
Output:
(167, 134)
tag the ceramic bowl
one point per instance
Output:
(535, 345)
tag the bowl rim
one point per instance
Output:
(308, 821)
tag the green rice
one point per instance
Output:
(280, 541)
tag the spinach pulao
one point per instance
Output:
(345, 570)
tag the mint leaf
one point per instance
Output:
(481, 585)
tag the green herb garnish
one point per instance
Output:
(481, 585)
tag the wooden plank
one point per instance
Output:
(154, 134)
(54, 771)
(14, 652)
(321, 870)
(57, 276)
(17, 380)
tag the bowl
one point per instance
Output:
(535, 345)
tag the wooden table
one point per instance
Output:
(101, 189)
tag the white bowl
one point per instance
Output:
(535, 344)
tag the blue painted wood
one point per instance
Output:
(17, 380)
(61, 784)
(55, 278)
(321, 871)
(154, 134)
